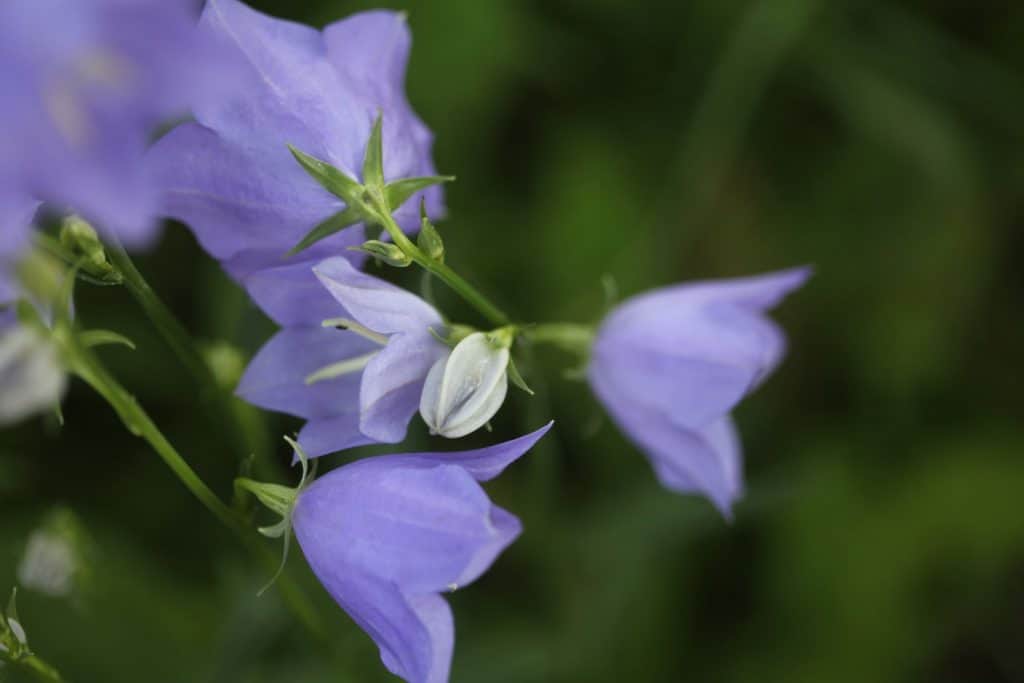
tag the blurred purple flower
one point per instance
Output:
(83, 84)
(388, 535)
(231, 177)
(671, 364)
(378, 374)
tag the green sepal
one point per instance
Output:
(387, 252)
(83, 245)
(93, 338)
(517, 378)
(373, 159)
(398, 192)
(347, 217)
(332, 180)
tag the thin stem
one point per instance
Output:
(39, 669)
(568, 336)
(181, 343)
(444, 273)
(138, 422)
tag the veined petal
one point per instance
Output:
(292, 295)
(379, 305)
(466, 389)
(276, 377)
(392, 383)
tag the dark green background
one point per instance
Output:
(882, 538)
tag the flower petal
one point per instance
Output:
(276, 377)
(392, 384)
(379, 305)
(325, 435)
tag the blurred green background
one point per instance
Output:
(881, 539)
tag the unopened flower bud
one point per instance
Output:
(386, 252)
(466, 388)
(81, 239)
(429, 239)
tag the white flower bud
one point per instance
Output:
(31, 379)
(465, 389)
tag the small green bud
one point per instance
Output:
(226, 363)
(429, 239)
(81, 240)
(385, 251)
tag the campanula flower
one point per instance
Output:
(387, 536)
(231, 176)
(356, 385)
(671, 364)
(83, 84)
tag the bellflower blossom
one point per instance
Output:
(83, 83)
(670, 365)
(388, 535)
(356, 385)
(230, 175)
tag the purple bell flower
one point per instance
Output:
(83, 84)
(354, 386)
(388, 535)
(671, 364)
(230, 175)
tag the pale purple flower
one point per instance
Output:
(388, 535)
(231, 177)
(382, 368)
(83, 84)
(671, 364)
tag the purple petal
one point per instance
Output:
(238, 198)
(693, 351)
(483, 464)
(276, 377)
(392, 382)
(324, 435)
(379, 305)
(385, 535)
(292, 295)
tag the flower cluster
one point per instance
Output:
(303, 161)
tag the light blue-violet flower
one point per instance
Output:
(669, 366)
(83, 85)
(230, 174)
(387, 536)
(355, 385)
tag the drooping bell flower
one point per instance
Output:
(355, 385)
(671, 364)
(387, 536)
(83, 86)
(231, 175)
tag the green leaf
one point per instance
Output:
(336, 223)
(373, 160)
(398, 192)
(332, 180)
(517, 378)
(92, 338)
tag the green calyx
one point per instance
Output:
(372, 201)
(280, 500)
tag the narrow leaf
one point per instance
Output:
(398, 192)
(336, 223)
(373, 160)
(333, 180)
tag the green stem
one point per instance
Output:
(444, 273)
(85, 364)
(181, 343)
(39, 669)
(567, 336)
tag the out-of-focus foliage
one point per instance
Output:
(881, 539)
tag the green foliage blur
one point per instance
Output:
(646, 142)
